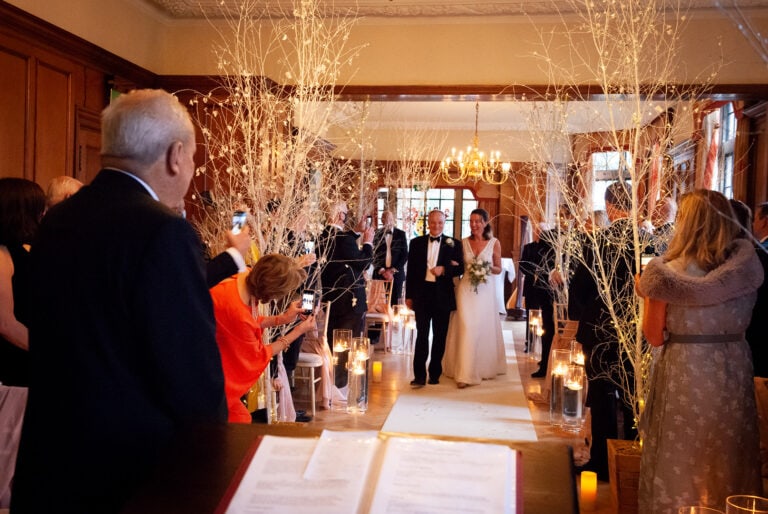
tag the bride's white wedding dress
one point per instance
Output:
(474, 348)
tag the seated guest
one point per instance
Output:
(244, 356)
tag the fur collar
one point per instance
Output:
(740, 275)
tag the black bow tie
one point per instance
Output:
(388, 232)
(433, 239)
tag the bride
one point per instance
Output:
(474, 348)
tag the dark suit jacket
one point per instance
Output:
(342, 273)
(417, 270)
(399, 253)
(757, 332)
(122, 348)
(220, 267)
(536, 261)
(585, 304)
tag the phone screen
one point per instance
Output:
(309, 246)
(238, 221)
(308, 301)
(368, 221)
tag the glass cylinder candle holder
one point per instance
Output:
(743, 503)
(342, 341)
(535, 348)
(357, 396)
(573, 399)
(560, 362)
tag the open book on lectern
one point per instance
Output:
(364, 473)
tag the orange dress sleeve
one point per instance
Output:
(244, 356)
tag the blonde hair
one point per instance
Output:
(704, 230)
(273, 277)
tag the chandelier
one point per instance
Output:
(474, 165)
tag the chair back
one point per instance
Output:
(379, 296)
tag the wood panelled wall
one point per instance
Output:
(53, 86)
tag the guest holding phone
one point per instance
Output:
(244, 356)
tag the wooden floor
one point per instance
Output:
(396, 377)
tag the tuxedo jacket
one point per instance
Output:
(536, 261)
(342, 270)
(122, 348)
(399, 254)
(220, 267)
(450, 250)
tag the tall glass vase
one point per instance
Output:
(359, 356)
(573, 398)
(561, 359)
(342, 341)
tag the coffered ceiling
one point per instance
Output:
(412, 8)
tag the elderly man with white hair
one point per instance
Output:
(122, 343)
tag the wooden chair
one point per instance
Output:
(379, 315)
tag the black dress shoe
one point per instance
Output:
(303, 417)
(539, 374)
(417, 384)
(433, 381)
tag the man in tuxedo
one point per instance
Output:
(342, 264)
(760, 225)
(122, 343)
(537, 260)
(603, 356)
(391, 254)
(433, 261)
(757, 332)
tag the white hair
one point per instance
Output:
(143, 124)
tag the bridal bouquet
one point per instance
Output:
(478, 272)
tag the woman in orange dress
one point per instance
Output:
(244, 356)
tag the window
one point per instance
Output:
(606, 167)
(468, 204)
(727, 143)
(414, 205)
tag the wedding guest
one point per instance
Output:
(122, 347)
(663, 219)
(433, 261)
(343, 282)
(760, 225)
(474, 347)
(757, 331)
(605, 275)
(537, 260)
(699, 427)
(390, 255)
(22, 204)
(244, 356)
(61, 188)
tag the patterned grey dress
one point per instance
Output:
(699, 428)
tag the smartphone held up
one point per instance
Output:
(238, 221)
(308, 302)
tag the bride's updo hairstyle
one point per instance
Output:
(487, 231)
(704, 229)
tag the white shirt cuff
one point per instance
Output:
(237, 257)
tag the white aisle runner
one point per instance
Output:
(495, 409)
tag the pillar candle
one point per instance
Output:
(588, 493)
(377, 371)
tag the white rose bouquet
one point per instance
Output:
(478, 271)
